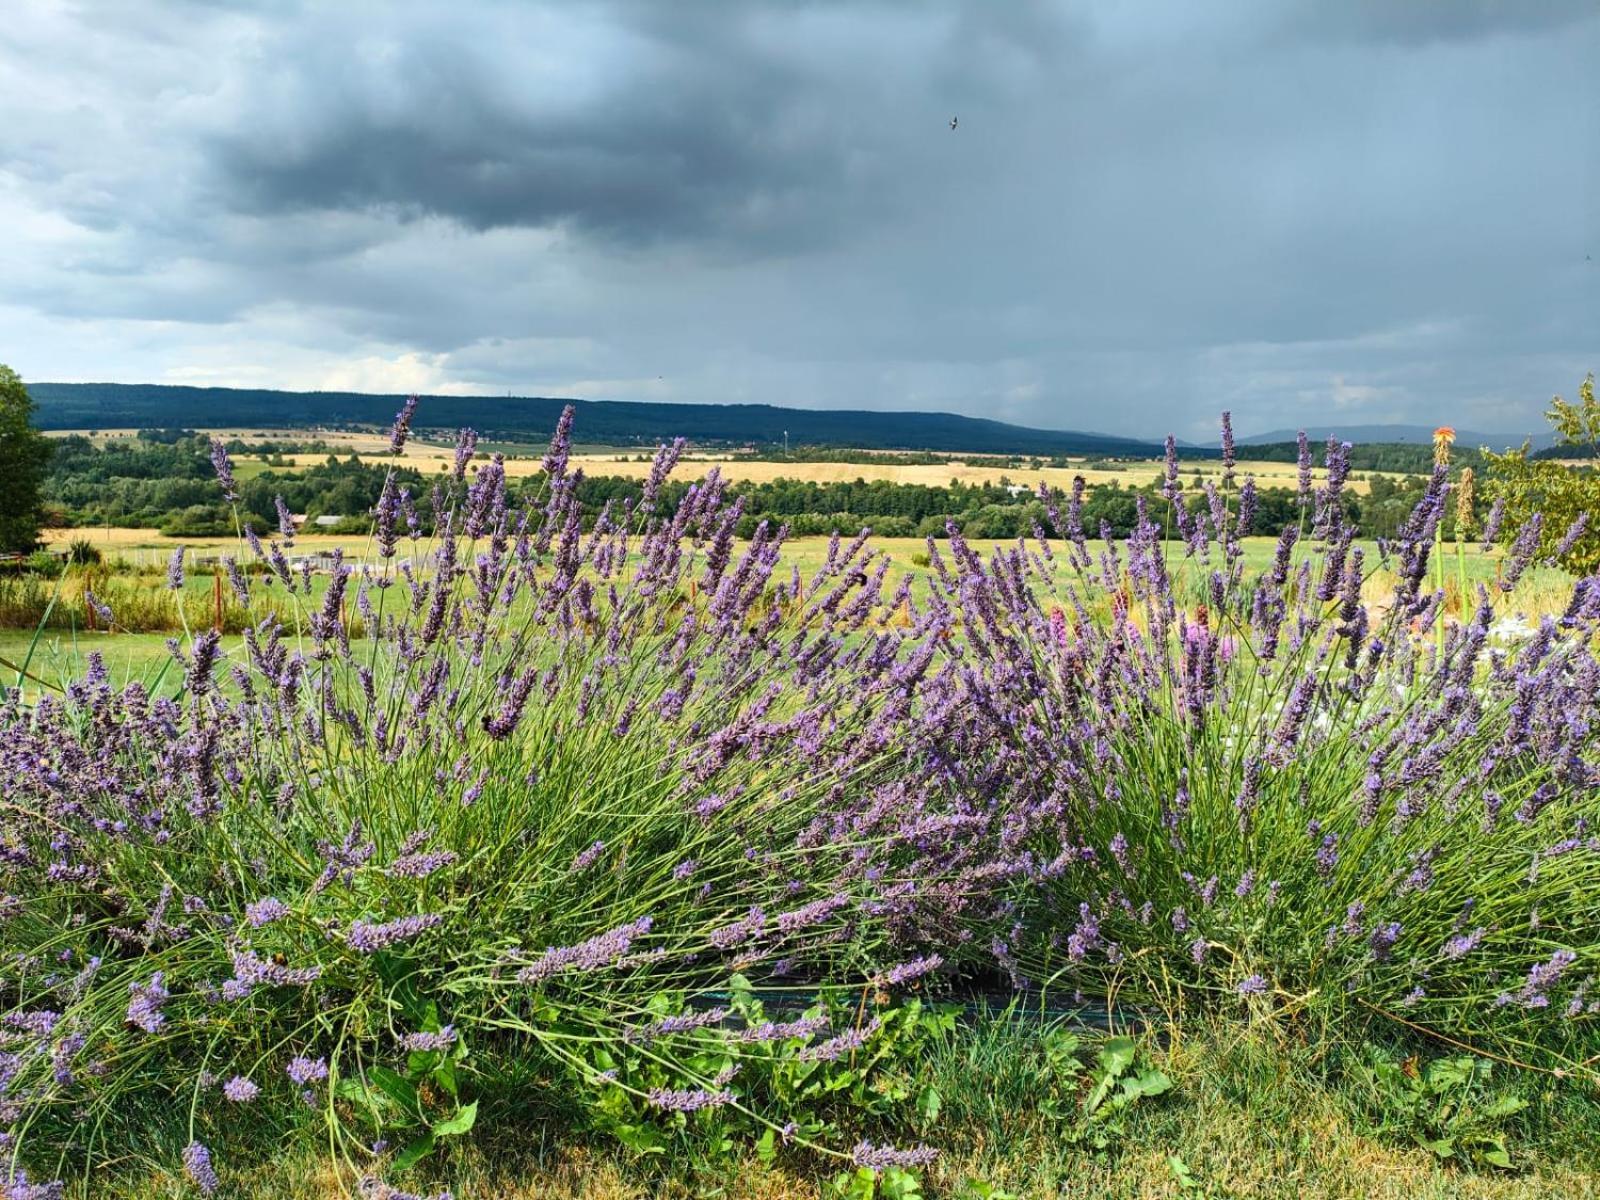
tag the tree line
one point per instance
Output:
(163, 478)
(168, 484)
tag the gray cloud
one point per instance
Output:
(1147, 213)
(1419, 22)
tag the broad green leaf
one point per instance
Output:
(1116, 1056)
(766, 1146)
(466, 1116)
(414, 1153)
(1146, 1083)
(641, 1139)
(1498, 1156)
(397, 1087)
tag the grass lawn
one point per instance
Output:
(58, 656)
(1251, 1114)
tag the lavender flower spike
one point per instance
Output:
(240, 1090)
(669, 1100)
(223, 466)
(302, 1070)
(197, 1162)
(422, 1042)
(599, 951)
(876, 1158)
(368, 938)
(401, 429)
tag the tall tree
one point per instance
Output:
(24, 451)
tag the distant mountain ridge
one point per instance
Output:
(144, 406)
(1412, 434)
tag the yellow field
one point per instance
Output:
(148, 547)
(433, 457)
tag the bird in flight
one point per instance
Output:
(953, 121)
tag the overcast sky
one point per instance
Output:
(1355, 211)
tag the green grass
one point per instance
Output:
(58, 656)
(1254, 1113)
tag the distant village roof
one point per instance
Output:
(326, 520)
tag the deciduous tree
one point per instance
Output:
(24, 451)
(1561, 492)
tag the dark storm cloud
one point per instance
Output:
(725, 140)
(1149, 211)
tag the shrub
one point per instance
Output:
(82, 552)
(556, 785)
(1279, 798)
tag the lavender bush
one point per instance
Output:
(504, 803)
(566, 769)
(1294, 792)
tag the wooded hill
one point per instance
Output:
(532, 418)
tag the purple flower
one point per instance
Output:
(683, 1023)
(401, 429)
(40, 1022)
(602, 950)
(585, 859)
(670, 1100)
(1523, 548)
(1570, 538)
(175, 570)
(769, 1031)
(877, 1158)
(422, 1043)
(17, 1186)
(224, 469)
(385, 519)
(304, 1070)
(555, 459)
(1328, 855)
(1383, 939)
(466, 446)
(810, 914)
(100, 607)
(144, 1010)
(1464, 943)
(197, 1162)
(365, 937)
(1492, 523)
(1541, 976)
(285, 520)
(265, 911)
(1256, 985)
(240, 1090)
(248, 970)
(915, 969)
(421, 865)
(740, 931)
(837, 1047)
